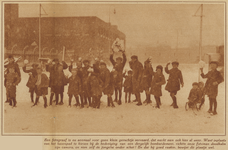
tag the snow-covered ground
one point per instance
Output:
(125, 118)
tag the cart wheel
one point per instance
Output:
(186, 106)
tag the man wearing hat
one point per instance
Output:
(118, 65)
(214, 78)
(57, 79)
(108, 87)
(174, 81)
(31, 81)
(137, 69)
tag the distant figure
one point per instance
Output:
(156, 84)
(214, 78)
(118, 65)
(12, 79)
(174, 81)
(137, 69)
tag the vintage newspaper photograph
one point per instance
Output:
(95, 69)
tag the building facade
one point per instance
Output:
(79, 35)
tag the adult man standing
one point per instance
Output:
(137, 69)
(118, 65)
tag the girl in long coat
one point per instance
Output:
(156, 84)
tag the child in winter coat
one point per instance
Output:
(41, 86)
(214, 78)
(75, 86)
(12, 79)
(95, 87)
(31, 81)
(156, 84)
(128, 86)
(194, 94)
(174, 81)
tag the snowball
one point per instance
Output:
(26, 61)
(201, 64)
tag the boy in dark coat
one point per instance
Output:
(31, 81)
(108, 87)
(118, 65)
(214, 78)
(137, 69)
(193, 95)
(12, 79)
(11, 64)
(95, 87)
(146, 80)
(157, 81)
(78, 64)
(41, 86)
(85, 76)
(57, 79)
(128, 85)
(174, 81)
(75, 86)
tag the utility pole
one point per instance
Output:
(39, 31)
(200, 40)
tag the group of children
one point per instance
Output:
(88, 83)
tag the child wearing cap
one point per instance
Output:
(108, 87)
(75, 86)
(128, 86)
(146, 80)
(57, 79)
(85, 75)
(12, 79)
(118, 65)
(137, 72)
(41, 86)
(11, 64)
(174, 81)
(31, 81)
(193, 94)
(214, 78)
(156, 84)
(95, 88)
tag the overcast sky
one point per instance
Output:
(147, 24)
